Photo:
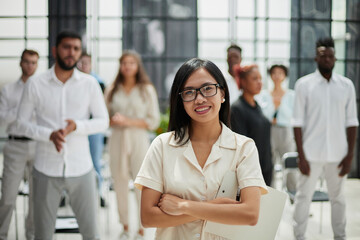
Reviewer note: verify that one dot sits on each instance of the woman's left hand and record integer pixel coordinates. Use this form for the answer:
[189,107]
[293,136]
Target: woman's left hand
[171,204]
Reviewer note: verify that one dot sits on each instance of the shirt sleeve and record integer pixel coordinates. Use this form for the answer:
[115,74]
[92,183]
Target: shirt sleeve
[100,117]
[299,106]
[153,114]
[27,106]
[238,123]
[150,174]
[351,114]
[265,101]
[7,114]
[248,167]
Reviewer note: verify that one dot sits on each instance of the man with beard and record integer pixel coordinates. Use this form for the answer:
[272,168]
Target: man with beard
[63,99]
[233,58]
[325,124]
[19,151]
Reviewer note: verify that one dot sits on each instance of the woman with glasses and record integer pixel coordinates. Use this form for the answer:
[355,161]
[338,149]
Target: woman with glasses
[134,110]
[183,168]
[248,119]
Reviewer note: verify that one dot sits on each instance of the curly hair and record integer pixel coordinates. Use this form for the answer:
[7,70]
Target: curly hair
[325,42]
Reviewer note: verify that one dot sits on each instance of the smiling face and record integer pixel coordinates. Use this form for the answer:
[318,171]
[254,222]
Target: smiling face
[203,109]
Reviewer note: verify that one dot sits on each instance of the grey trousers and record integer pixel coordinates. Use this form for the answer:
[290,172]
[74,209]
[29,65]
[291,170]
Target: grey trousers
[18,161]
[82,194]
[282,141]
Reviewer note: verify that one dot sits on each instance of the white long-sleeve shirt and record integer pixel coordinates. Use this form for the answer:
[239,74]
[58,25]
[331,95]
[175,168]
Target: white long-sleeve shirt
[10,97]
[323,110]
[54,102]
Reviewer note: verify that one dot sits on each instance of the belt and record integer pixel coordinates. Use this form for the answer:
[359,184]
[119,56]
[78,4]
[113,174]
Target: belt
[20,138]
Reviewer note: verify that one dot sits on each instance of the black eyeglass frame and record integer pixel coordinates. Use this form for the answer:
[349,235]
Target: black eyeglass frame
[198,90]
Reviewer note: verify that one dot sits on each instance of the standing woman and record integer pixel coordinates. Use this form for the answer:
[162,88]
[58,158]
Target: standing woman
[248,119]
[277,105]
[134,109]
[183,168]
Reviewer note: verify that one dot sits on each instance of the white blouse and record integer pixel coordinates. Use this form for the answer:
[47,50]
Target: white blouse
[172,168]
[137,104]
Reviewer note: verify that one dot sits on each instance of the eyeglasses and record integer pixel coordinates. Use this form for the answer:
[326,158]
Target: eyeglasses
[206,91]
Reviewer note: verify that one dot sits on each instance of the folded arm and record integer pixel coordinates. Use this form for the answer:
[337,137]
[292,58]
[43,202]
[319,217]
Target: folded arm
[245,212]
[153,216]
[165,210]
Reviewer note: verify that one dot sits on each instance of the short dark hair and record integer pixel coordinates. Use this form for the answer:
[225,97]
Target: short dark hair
[179,120]
[66,34]
[30,52]
[327,42]
[234,46]
[285,69]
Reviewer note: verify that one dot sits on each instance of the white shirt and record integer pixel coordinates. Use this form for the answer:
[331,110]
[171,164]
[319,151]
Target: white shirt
[234,91]
[10,97]
[172,168]
[324,109]
[53,102]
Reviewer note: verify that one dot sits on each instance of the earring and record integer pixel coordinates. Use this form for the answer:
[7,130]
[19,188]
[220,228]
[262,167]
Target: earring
[223,100]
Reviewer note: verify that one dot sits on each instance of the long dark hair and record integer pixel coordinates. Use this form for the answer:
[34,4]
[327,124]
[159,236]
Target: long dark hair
[179,120]
[141,76]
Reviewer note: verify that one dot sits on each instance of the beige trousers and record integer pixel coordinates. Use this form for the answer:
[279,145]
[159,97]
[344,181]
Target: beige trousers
[127,151]
[18,162]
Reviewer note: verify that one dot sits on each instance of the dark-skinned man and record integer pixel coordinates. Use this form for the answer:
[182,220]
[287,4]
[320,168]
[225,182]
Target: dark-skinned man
[325,124]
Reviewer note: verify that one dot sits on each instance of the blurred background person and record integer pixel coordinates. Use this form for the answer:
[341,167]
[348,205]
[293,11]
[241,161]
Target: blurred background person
[62,99]
[248,119]
[19,151]
[277,105]
[325,125]
[134,110]
[233,59]
[96,141]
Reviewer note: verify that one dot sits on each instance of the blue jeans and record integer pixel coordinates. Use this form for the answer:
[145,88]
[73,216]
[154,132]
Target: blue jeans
[96,150]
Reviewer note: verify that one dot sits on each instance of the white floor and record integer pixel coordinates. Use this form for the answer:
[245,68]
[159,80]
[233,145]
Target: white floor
[110,228]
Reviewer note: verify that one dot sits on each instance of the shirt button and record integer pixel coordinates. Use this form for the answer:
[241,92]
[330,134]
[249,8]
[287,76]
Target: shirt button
[197,235]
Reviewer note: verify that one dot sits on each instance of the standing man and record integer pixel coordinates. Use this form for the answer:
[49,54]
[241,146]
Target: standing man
[63,99]
[325,123]
[19,151]
[96,140]
[233,58]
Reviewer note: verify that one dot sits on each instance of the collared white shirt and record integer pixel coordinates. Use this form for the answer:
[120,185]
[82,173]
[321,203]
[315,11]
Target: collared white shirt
[10,97]
[172,168]
[234,91]
[324,109]
[53,102]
